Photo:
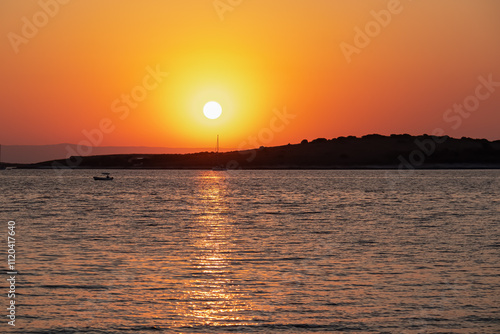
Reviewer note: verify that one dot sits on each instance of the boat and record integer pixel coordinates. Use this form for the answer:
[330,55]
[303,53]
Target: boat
[218,167]
[103,178]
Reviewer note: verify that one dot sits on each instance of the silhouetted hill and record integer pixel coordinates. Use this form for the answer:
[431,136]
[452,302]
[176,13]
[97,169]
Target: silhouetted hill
[371,151]
[28,154]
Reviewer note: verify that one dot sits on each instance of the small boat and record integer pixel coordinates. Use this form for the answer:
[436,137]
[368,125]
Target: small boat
[219,168]
[103,178]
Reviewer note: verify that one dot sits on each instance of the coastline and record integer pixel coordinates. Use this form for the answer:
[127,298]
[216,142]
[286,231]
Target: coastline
[402,152]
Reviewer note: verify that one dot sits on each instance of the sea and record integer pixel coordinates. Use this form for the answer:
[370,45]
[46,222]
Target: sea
[251,251]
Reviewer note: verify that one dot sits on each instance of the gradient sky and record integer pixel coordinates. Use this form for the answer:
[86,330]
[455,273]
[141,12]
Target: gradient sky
[257,58]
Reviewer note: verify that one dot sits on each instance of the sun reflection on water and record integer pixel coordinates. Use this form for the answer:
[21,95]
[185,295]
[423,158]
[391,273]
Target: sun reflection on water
[211,293]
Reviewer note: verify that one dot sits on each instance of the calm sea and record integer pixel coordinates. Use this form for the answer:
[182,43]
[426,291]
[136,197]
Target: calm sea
[253,251]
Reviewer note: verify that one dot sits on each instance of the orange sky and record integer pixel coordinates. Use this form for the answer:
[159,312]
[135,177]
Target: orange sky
[279,69]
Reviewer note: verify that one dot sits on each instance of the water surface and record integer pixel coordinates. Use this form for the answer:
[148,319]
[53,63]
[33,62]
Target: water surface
[255,251]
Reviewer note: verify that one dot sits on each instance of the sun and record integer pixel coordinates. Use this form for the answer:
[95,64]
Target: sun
[212,110]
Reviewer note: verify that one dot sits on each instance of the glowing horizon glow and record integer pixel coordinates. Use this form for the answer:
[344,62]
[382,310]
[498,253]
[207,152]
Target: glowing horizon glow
[212,110]
[258,60]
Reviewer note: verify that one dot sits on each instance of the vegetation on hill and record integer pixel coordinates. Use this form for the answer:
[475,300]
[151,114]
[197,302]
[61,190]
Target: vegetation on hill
[370,151]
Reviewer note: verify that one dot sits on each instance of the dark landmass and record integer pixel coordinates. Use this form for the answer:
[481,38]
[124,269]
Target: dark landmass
[29,154]
[370,151]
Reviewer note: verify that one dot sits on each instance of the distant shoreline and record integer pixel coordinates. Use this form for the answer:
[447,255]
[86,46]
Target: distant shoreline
[450,167]
[375,152]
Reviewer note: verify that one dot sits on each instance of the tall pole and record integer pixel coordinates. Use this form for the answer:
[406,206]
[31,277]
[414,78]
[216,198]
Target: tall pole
[217,143]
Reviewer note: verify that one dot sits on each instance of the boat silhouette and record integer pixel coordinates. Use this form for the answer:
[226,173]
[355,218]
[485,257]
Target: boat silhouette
[103,178]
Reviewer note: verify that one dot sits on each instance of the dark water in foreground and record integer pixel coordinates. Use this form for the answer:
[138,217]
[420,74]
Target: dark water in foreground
[254,251]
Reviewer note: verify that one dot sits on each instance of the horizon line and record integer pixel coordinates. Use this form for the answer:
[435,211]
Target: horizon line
[189,148]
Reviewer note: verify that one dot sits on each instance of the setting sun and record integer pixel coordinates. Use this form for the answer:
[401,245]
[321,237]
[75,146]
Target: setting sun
[212,110]
[337,66]
[250,165]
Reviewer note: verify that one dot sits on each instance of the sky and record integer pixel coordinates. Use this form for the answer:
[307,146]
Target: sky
[138,73]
